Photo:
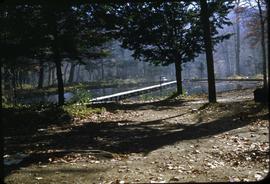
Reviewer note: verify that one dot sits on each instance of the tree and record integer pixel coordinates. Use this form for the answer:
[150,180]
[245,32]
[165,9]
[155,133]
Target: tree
[166,33]
[57,32]
[74,37]
[213,10]
[238,10]
[256,24]
[41,75]
[71,73]
[160,33]
[262,25]
[268,28]
[208,50]
[16,43]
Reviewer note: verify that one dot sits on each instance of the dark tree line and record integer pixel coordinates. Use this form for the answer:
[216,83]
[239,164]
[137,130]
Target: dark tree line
[34,34]
[161,33]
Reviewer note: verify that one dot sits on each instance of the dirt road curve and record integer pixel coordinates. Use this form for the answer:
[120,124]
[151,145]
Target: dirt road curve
[180,140]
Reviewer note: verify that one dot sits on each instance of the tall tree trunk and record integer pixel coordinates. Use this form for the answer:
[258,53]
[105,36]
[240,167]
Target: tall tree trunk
[60,83]
[16,78]
[2,70]
[263,45]
[20,77]
[53,76]
[227,58]
[41,75]
[237,64]
[65,72]
[268,29]
[1,131]
[178,76]
[14,89]
[28,79]
[201,68]
[57,61]
[268,37]
[144,69]
[71,73]
[237,44]
[208,49]
[8,83]
[90,75]
[49,75]
[78,74]
[102,70]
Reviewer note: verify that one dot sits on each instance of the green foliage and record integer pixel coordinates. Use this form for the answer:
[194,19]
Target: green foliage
[166,32]
[149,30]
[50,33]
[4,100]
[40,27]
[81,111]
[6,105]
[80,96]
[28,86]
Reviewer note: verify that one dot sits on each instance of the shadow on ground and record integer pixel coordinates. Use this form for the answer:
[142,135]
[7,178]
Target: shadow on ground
[129,136]
[27,120]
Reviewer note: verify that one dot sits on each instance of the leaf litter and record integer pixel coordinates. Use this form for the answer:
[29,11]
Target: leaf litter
[227,156]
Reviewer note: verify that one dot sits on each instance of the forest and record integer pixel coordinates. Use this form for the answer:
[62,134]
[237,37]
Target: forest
[135,92]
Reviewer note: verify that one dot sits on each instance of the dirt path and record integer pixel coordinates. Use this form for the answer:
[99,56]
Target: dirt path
[181,140]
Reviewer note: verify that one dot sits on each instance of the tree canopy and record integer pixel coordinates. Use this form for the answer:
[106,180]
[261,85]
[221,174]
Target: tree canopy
[166,32]
[51,32]
[158,32]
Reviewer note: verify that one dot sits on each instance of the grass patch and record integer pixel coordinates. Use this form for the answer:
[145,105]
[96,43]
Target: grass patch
[81,111]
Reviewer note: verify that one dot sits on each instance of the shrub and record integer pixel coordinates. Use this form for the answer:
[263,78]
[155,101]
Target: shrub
[80,96]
